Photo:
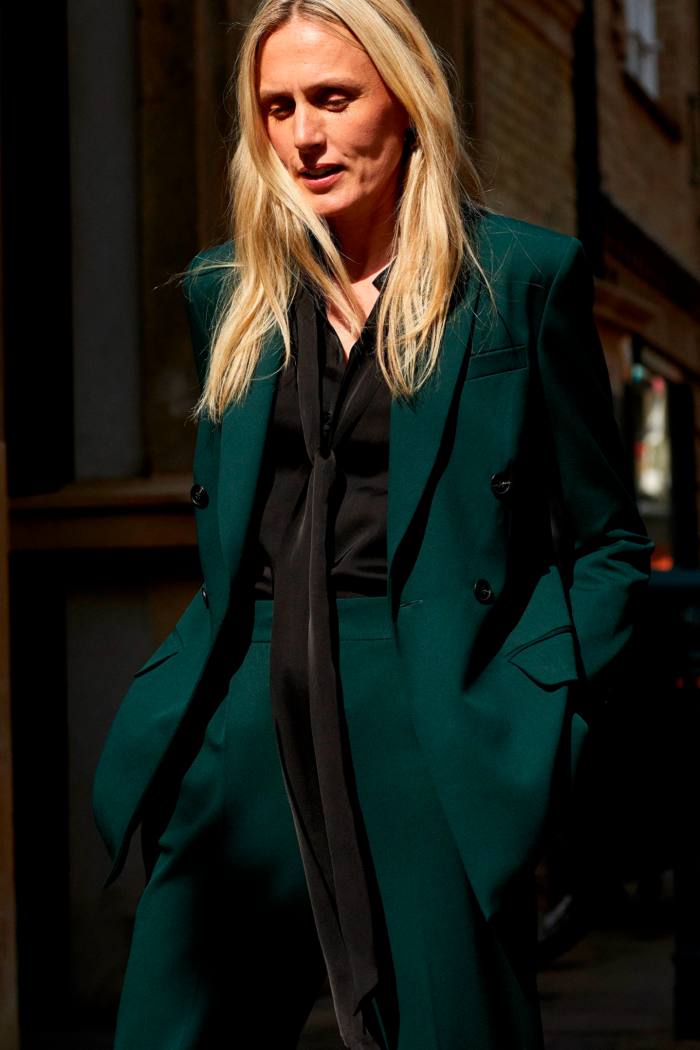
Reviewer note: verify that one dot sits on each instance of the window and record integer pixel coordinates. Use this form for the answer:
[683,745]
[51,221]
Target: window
[641,44]
[662,426]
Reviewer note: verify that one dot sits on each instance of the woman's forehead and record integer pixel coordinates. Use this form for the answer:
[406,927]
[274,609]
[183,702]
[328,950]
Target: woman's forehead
[311,43]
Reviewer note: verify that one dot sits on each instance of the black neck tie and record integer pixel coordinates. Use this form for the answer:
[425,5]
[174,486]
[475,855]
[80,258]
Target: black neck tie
[306,705]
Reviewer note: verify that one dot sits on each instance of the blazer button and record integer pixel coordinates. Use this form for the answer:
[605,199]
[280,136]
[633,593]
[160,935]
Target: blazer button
[205,596]
[500,485]
[199,496]
[483,591]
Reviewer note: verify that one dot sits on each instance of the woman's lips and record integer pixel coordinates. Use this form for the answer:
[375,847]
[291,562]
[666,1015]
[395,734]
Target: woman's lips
[321,181]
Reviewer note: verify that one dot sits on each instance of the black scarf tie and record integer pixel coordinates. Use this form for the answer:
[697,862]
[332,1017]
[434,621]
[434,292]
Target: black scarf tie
[306,707]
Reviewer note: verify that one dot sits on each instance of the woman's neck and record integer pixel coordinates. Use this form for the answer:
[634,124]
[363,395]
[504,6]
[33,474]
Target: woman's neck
[366,243]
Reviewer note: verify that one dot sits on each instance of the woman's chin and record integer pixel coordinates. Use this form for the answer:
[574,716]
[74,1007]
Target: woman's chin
[334,211]
[327,207]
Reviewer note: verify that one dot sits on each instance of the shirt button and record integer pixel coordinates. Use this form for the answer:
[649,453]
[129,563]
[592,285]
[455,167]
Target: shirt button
[483,591]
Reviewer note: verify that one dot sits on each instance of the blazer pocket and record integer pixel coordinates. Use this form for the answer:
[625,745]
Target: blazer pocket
[191,629]
[505,359]
[550,659]
[168,647]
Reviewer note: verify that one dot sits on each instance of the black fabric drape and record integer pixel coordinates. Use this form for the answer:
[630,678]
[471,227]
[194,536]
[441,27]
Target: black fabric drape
[306,696]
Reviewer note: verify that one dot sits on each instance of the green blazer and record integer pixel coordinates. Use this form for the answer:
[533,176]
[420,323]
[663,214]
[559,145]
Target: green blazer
[498,642]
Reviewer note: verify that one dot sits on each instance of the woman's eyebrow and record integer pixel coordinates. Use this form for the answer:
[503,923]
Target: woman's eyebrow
[342,83]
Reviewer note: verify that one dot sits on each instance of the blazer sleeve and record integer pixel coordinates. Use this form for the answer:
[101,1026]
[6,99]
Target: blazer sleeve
[610,549]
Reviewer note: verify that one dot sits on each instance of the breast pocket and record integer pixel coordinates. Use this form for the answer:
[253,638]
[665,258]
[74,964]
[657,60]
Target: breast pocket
[504,359]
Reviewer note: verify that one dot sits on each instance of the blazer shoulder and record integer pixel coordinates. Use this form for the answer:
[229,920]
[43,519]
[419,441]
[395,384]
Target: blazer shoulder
[205,284]
[514,247]
[207,278]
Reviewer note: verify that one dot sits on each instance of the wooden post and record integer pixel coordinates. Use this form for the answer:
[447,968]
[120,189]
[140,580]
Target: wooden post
[9,1030]
[9,1022]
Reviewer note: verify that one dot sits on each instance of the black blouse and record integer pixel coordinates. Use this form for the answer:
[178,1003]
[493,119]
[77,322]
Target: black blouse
[357,553]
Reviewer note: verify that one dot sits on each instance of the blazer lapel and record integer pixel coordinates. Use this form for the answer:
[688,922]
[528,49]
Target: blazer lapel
[243,432]
[417,427]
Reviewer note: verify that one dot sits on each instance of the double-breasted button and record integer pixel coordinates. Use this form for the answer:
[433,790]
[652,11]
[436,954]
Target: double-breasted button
[483,591]
[205,596]
[199,496]
[500,484]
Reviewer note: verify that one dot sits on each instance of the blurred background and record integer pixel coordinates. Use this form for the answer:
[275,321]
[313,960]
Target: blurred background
[584,116]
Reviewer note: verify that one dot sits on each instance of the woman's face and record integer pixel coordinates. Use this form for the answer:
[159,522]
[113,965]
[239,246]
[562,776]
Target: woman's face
[326,109]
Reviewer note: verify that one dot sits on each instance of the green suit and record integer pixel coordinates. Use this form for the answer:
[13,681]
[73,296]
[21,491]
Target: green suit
[495,650]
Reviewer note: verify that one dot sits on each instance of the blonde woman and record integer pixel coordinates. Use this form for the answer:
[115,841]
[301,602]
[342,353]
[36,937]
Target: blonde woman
[344,753]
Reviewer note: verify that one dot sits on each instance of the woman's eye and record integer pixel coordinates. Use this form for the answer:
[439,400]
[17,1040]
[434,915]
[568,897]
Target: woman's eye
[334,102]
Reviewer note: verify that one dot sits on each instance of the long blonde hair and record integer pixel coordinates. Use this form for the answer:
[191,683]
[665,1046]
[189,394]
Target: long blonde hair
[279,240]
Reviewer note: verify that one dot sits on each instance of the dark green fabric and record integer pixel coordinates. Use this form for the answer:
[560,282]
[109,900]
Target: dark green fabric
[495,675]
[224,951]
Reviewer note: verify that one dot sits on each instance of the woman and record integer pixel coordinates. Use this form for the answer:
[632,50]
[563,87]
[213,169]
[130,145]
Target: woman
[345,752]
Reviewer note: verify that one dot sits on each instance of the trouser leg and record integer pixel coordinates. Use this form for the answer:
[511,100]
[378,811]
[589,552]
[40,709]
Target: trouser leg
[457,982]
[224,950]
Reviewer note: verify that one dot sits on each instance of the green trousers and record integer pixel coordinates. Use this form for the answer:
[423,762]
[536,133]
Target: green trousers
[224,951]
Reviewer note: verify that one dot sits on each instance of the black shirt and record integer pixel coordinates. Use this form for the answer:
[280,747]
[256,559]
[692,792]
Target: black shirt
[357,546]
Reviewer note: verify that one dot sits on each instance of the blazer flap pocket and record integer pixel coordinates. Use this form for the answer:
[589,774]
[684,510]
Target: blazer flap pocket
[549,659]
[194,626]
[167,648]
[505,359]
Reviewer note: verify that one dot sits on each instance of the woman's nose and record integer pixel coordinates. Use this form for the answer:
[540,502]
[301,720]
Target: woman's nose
[308,129]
